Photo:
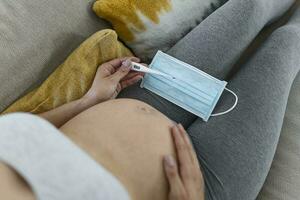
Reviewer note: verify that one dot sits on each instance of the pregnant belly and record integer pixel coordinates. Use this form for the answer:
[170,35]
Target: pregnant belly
[129,138]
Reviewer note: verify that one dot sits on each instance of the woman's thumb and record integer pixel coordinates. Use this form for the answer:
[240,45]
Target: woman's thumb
[122,71]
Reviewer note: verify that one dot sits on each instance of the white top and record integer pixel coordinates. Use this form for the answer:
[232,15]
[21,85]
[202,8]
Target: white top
[53,166]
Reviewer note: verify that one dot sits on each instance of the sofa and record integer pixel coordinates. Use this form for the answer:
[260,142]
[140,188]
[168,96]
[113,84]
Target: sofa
[38,35]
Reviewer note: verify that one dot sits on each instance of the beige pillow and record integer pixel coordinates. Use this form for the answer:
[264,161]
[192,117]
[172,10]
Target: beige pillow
[36,36]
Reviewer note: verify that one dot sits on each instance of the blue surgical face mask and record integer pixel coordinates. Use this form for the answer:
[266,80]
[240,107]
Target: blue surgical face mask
[190,88]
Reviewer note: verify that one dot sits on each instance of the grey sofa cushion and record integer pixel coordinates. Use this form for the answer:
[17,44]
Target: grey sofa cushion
[35,37]
[283,181]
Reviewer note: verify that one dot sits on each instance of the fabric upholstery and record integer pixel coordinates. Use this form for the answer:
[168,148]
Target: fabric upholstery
[36,36]
[72,79]
[147,26]
[283,181]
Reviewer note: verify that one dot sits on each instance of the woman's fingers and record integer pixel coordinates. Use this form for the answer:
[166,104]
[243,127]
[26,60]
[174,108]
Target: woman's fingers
[184,158]
[124,70]
[191,179]
[177,190]
[188,144]
[133,59]
[117,91]
[121,73]
[116,63]
[132,78]
[129,82]
[112,66]
[189,165]
[131,75]
[134,73]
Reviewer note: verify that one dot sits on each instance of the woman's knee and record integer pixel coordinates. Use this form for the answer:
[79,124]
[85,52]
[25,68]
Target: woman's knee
[287,37]
[289,32]
[262,10]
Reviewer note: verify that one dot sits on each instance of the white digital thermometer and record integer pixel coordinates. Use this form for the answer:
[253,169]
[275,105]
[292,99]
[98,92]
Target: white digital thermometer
[141,68]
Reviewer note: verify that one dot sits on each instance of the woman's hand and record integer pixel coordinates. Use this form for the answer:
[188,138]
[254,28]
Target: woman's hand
[111,78]
[185,179]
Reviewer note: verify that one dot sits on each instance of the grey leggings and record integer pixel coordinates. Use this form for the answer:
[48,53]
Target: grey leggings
[236,150]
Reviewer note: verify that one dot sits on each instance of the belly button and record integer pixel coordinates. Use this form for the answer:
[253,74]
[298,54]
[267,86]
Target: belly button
[147,110]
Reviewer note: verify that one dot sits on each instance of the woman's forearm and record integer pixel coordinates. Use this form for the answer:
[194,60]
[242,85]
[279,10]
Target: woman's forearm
[60,115]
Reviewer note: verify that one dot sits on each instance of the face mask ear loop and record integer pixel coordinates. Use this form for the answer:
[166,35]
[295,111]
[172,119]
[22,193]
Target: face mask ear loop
[230,109]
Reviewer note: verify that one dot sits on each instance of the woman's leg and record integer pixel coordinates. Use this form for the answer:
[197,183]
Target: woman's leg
[215,45]
[236,149]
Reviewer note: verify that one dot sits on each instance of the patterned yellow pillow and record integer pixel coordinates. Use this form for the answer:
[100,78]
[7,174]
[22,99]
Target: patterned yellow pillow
[148,25]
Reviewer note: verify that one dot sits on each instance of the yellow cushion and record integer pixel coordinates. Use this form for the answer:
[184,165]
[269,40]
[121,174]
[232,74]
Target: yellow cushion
[72,79]
[149,25]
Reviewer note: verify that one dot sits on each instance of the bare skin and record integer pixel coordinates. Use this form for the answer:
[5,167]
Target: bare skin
[113,133]
[133,142]
[13,186]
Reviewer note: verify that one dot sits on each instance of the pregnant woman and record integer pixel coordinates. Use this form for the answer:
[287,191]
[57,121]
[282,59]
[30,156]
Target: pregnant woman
[135,138]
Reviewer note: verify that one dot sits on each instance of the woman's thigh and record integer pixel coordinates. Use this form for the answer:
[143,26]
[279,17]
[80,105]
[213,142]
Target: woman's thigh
[236,150]
[214,46]
[13,186]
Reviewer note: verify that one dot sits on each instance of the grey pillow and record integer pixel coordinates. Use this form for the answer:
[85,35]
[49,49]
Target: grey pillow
[283,181]
[35,37]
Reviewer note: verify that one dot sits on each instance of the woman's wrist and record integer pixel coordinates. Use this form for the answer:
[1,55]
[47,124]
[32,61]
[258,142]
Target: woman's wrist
[89,101]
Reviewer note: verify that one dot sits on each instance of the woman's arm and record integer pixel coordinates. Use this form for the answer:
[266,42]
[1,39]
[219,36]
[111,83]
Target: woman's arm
[110,79]
[59,116]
